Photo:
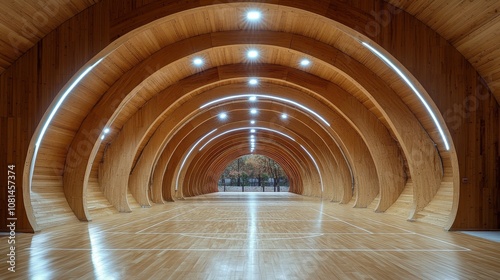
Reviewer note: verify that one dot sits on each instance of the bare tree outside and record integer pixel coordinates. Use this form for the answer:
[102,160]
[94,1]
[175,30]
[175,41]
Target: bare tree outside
[255,172]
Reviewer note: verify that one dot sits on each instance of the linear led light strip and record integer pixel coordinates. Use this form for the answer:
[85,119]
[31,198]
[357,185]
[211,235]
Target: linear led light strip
[410,84]
[61,100]
[53,113]
[189,153]
[246,128]
[267,97]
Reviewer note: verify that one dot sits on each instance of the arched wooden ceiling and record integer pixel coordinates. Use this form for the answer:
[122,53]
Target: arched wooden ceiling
[472,27]
[149,94]
[380,140]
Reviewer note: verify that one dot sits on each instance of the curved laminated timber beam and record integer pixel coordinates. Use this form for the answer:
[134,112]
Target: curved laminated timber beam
[296,165]
[291,165]
[224,91]
[216,163]
[393,178]
[274,133]
[146,91]
[389,178]
[199,124]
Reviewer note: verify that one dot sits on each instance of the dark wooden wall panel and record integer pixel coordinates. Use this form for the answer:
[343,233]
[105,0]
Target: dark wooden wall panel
[30,85]
[19,88]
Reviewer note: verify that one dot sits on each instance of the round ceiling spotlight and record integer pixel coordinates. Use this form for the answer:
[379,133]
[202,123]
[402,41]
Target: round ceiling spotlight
[254,15]
[284,116]
[222,116]
[253,54]
[253,111]
[305,62]
[253,82]
[198,61]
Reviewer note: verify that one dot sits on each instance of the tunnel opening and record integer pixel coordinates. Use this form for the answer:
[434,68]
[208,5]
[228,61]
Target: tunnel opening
[253,173]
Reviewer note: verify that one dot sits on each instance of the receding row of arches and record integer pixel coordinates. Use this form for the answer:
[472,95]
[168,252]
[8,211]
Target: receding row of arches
[355,133]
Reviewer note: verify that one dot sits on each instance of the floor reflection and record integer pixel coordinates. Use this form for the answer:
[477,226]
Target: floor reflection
[252,236]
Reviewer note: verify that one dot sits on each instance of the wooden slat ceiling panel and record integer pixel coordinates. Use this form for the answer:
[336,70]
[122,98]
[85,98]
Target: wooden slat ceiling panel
[144,44]
[472,27]
[454,20]
[24,22]
[151,40]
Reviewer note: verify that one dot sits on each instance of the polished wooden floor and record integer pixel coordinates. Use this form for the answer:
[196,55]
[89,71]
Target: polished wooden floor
[252,236]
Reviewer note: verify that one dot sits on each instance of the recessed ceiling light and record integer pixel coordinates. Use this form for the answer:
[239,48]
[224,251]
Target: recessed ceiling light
[253,111]
[252,98]
[305,62]
[198,61]
[284,116]
[253,54]
[106,130]
[222,116]
[253,82]
[252,130]
[102,137]
[252,122]
[254,15]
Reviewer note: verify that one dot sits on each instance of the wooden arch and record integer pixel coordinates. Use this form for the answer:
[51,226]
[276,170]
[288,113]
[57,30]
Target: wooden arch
[76,176]
[217,159]
[218,162]
[138,75]
[286,147]
[405,123]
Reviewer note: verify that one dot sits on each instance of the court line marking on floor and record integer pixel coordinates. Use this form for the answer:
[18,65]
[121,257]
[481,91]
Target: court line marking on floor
[148,217]
[328,215]
[393,226]
[257,220]
[423,235]
[321,212]
[146,228]
[308,235]
[264,233]
[396,227]
[257,239]
[259,250]
[445,242]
